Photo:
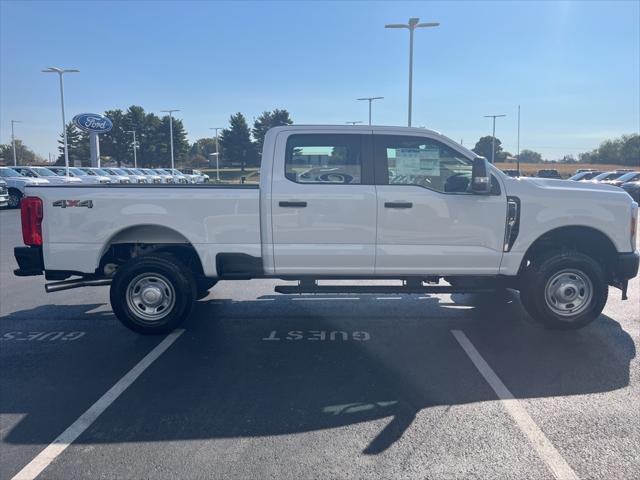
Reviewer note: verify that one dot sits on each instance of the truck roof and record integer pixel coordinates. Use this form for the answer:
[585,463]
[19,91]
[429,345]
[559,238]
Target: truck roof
[358,127]
[373,128]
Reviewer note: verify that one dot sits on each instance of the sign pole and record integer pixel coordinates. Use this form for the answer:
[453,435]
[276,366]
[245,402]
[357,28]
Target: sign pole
[94,147]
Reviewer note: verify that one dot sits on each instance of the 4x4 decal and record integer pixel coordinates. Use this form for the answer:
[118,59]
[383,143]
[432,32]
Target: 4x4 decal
[73,203]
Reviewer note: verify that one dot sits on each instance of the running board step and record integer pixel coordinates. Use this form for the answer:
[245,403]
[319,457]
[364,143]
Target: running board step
[377,289]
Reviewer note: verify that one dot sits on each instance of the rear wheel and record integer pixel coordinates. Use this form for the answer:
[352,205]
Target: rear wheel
[153,294]
[14,198]
[564,290]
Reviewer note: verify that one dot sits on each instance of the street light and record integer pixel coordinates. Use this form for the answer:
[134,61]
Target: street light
[61,72]
[370,99]
[217,152]
[170,112]
[13,142]
[493,137]
[354,123]
[217,155]
[411,26]
[135,146]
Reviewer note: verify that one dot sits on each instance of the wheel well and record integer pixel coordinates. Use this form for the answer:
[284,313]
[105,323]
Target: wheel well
[586,240]
[140,240]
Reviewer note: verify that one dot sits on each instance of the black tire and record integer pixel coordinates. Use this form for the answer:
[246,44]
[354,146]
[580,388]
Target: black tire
[546,280]
[203,287]
[160,275]
[14,198]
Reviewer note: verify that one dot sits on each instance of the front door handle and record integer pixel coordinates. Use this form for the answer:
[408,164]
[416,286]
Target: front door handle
[293,204]
[398,205]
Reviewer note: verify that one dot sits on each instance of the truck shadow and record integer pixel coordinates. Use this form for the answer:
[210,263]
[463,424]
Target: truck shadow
[263,368]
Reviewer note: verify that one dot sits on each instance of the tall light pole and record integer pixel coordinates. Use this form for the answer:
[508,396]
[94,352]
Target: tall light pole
[518,157]
[61,72]
[411,26]
[217,153]
[170,112]
[353,123]
[135,146]
[493,136]
[13,142]
[370,99]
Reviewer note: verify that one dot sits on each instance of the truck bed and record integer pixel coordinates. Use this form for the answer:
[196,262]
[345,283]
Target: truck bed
[79,221]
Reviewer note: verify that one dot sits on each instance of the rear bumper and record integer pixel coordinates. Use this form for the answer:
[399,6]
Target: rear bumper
[628,265]
[29,260]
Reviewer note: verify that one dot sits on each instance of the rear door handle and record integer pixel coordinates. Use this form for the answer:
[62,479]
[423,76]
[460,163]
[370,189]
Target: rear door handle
[293,204]
[398,205]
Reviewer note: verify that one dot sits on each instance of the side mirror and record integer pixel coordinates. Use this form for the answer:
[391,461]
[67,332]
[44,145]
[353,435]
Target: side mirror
[481,176]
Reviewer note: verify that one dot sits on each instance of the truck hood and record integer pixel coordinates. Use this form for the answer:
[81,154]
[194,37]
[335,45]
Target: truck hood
[569,184]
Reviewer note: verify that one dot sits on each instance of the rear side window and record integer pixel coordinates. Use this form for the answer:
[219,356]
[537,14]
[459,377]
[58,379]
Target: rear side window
[324,159]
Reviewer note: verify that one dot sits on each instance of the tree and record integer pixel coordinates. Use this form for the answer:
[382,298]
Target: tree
[236,143]
[529,156]
[483,147]
[24,155]
[267,120]
[622,151]
[117,143]
[77,147]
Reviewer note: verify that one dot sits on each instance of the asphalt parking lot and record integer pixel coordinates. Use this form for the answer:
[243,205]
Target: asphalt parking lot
[260,385]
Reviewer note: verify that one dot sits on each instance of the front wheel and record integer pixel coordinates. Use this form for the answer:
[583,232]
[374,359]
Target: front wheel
[14,198]
[152,294]
[564,290]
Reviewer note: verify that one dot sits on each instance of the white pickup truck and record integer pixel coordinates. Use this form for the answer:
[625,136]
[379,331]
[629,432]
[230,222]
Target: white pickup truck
[339,202]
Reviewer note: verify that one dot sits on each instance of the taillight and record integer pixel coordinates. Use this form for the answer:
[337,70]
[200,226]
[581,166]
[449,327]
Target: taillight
[31,213]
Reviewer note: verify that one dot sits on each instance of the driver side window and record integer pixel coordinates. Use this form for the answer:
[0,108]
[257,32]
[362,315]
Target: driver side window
[423,162]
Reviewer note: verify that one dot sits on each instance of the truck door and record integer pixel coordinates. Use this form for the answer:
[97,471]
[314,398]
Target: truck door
[429,222]
[323,203]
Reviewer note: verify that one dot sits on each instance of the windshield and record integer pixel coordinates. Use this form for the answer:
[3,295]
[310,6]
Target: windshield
[119,171]
[608,176]
[44,172]
[629,177]
[78,172]
[8,172]
[99,171]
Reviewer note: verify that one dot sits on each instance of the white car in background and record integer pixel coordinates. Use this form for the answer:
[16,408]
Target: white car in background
[42,172]
[150,177]
[178,177]
[202,177]
[101,175]
[166,177]
[117,175]
[4,194]
[82,175]
[16,183]
[135,176]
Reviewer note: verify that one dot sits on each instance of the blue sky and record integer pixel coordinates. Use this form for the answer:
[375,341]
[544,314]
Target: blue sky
[574,67]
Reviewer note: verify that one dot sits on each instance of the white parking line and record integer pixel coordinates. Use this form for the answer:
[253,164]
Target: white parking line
[326,298]
[66,438]
[542,445]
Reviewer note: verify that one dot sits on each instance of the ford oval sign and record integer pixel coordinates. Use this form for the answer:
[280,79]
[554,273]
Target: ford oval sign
[92,122]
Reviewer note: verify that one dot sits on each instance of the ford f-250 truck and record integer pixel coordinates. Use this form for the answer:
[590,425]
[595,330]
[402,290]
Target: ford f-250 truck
[339,202]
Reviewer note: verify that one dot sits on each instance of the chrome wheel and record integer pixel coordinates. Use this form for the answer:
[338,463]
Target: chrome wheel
[150,297]
[568,292]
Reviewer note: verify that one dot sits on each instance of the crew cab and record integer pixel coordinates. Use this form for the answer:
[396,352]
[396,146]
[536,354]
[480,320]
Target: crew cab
[339,202]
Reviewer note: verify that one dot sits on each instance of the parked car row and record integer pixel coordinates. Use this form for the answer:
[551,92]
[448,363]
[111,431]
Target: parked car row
[15,179]
[627,179]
